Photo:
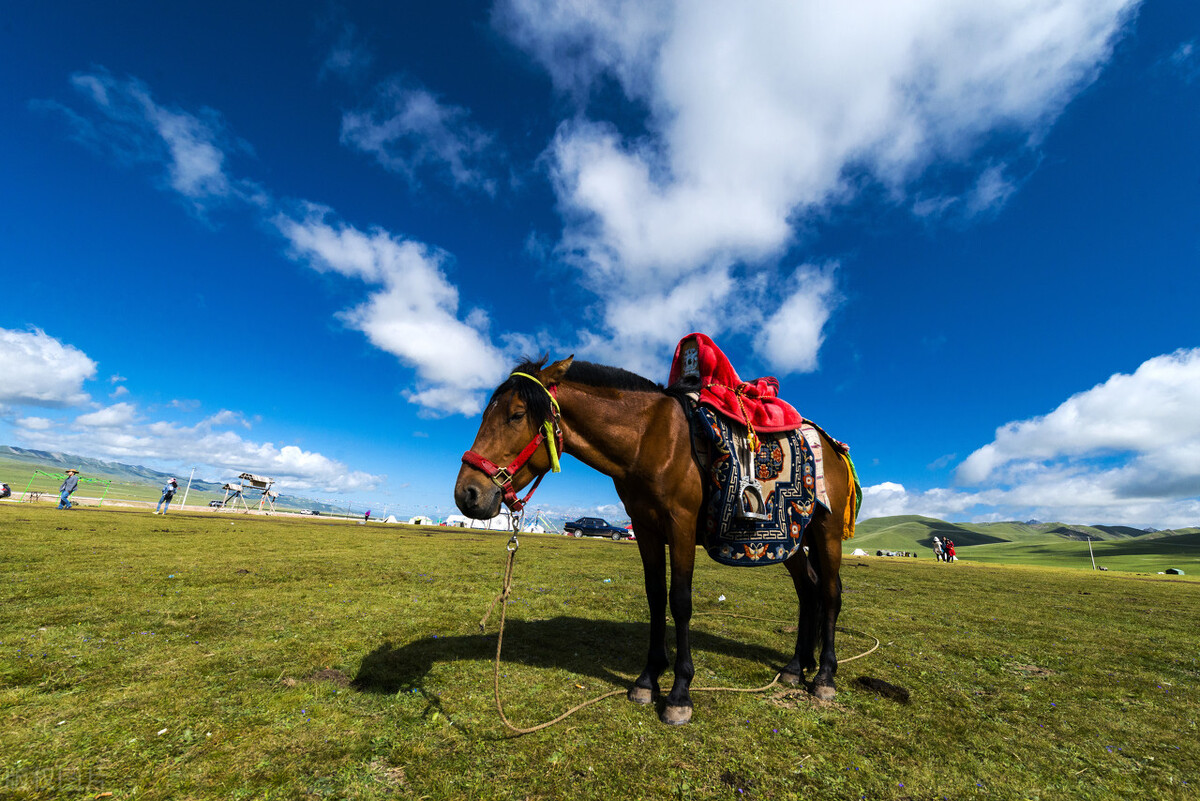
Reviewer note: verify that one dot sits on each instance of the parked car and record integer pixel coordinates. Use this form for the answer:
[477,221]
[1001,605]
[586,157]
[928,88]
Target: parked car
[309,512]
[595,527]
[217,503]
[5,491]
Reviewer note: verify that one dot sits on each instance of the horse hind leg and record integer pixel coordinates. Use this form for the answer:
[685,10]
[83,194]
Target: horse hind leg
[826,552]
[831,604]
[808,600]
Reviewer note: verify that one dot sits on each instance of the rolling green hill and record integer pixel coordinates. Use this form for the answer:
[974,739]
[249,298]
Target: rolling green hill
[1050,544]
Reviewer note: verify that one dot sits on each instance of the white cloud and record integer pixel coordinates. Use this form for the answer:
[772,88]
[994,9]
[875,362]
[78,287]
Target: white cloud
[1184,61]
[1126,451]
[226,417]
[889,498]
[118,415]
[349,57]
[791,337]
[1078,499]
[408,129]
[119,433]
[1149,415]
[190,148]
[757,112]
[414,315]
[40,370]
[35,423]
[991,191]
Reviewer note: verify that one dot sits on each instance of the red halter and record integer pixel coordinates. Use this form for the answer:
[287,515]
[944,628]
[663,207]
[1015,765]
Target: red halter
[502,477]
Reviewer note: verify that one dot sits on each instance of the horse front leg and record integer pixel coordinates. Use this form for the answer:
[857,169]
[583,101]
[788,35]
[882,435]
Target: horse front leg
[679,703]
[654,568]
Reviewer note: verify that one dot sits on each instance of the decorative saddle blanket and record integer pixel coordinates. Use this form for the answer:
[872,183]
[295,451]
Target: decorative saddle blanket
[755,519]
[762,462]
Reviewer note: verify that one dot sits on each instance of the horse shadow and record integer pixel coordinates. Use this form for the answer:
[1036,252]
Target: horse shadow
[609,651]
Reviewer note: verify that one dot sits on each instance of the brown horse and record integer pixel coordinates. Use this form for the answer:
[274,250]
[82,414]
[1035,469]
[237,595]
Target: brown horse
[635,432]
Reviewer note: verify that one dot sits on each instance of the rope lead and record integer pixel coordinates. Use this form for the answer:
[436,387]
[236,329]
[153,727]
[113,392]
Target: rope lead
[503,596]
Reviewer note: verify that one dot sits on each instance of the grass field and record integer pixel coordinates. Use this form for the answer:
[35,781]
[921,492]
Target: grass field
[196,656]
[20,474]
[1017,543]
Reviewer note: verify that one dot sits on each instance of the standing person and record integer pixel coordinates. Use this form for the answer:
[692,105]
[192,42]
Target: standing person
[168,492]
[951,556]
[367,516]
[937,549]
[68,486]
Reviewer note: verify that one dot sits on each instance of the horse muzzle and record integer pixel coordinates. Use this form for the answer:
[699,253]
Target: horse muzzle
[475,495]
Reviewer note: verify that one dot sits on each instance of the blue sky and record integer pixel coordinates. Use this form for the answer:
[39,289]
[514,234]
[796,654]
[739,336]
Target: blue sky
[308,244]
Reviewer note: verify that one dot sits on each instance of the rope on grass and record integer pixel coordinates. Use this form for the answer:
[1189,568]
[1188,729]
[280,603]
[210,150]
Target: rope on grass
[502,598]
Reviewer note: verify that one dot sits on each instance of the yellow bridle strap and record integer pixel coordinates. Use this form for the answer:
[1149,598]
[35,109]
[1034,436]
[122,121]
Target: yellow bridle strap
[548,427]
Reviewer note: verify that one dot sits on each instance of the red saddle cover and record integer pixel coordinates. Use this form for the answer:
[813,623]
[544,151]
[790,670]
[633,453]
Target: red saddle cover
[720,387]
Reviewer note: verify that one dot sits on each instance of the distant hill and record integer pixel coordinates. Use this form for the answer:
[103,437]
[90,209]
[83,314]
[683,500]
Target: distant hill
[18,464]
[905,532]
[897,531]
[1060,544]
[40,460]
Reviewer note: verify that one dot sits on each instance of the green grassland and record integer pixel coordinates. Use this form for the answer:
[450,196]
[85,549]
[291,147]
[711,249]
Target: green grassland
[19,474]
[1046,544]
[199,657]
[127,483]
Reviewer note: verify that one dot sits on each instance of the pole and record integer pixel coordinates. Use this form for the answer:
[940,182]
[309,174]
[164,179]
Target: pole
[183,503]
[1091,554]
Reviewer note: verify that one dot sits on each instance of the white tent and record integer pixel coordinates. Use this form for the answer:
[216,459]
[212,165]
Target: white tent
[501,522]
[859,552]
[390,519]
[420,520]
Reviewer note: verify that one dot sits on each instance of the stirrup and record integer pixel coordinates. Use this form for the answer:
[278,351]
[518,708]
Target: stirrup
[751,504]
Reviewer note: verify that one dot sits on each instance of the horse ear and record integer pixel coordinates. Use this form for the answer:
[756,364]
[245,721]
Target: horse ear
[555,372]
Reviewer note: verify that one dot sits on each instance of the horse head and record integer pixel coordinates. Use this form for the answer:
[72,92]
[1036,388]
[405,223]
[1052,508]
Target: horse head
[518,442]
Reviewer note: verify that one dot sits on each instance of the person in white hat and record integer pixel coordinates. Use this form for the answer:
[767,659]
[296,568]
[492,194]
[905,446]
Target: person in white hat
[68,486]
[168,492]
[938,552]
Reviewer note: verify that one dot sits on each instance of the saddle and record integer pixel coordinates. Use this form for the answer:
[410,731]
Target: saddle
[762,462]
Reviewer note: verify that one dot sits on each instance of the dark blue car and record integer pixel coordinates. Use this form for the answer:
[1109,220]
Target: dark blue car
[595,527]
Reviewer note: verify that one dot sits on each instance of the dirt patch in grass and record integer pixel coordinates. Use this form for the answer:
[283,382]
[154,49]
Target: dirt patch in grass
[1033,670]
[332,676]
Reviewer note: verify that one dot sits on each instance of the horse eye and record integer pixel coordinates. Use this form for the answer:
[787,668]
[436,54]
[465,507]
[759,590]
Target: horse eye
[516,416]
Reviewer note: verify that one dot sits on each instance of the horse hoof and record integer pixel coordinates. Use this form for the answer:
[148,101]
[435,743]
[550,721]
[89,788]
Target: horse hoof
[790,678]
[823,692]
[676,715]
[641,695]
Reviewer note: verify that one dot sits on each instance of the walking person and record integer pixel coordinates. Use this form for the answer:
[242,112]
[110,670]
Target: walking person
[168,492]
[951,556]
[68,486]
[938,553]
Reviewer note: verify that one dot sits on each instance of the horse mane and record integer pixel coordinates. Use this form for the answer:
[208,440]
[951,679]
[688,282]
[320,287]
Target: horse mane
[537,401]
[599,375]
